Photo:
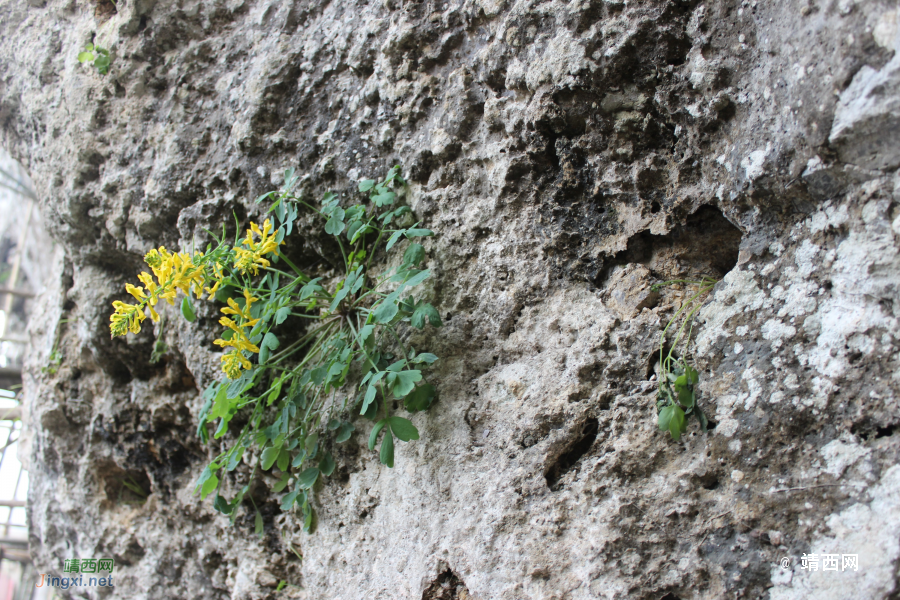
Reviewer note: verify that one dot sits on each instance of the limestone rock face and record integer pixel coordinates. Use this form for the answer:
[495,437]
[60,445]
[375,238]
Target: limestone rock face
[569,155]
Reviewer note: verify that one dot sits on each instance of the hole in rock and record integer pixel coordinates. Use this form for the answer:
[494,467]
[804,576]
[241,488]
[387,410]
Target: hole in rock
[105,8]
[569,458]
[710,483]
[447,586]
[125,487]
[706,244]
[888,431]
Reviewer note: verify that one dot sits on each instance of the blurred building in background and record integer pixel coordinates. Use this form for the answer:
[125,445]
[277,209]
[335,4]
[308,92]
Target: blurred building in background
[24,269]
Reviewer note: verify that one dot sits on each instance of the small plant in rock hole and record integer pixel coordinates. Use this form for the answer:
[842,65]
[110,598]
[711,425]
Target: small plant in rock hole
[97,56]
[351,357]
[677,394]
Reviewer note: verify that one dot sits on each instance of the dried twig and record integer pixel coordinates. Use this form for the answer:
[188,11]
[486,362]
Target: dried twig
[810,487]
[710,520]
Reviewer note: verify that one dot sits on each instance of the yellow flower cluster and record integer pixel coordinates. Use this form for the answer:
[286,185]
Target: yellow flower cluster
[173,272]
[179,272]
[234,361]
[250,258]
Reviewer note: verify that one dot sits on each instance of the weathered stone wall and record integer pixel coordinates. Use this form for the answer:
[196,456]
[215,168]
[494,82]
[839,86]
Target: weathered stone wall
[568,155]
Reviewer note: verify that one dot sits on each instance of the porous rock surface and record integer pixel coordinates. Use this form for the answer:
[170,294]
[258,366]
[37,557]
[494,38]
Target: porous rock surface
[569,155]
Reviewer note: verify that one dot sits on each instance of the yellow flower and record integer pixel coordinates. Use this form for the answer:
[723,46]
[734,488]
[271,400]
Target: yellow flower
[137,292]
[173,272]
[218,276]
[127,317]
[234,361]
[250,258]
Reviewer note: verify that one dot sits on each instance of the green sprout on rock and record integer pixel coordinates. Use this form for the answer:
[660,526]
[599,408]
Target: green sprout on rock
[97,56]
[677,395]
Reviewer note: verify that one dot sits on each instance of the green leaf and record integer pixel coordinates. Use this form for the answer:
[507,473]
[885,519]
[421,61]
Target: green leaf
[344,432]
[284,459]
[387,449]
[393,239]
[270,341]
[425,312]
[84,57]
[221,505]
[691,375]
[386,310]
[371,392]
[298,460]
[414,254]
[326,464]
[342,293]
[685,397]
[420,398]
[425,357]
[665,416]
[403,428]
[404,382]
[366,184]
[676,424]
[102,63]
[312,443]
[308,477]
[208,486]
[417,278]
[334,226]
[281,314]
[419,233]
[222,404]
[258,525]
[235,459]
[187,309]
[365,332]
[263,197]
[89,47]
[372,412]
[276,391]
[268,458]
[310,288]
[289,179]
[288,501]
[282,483]
[384,198]
[373,437]
[352,229]
[704,422]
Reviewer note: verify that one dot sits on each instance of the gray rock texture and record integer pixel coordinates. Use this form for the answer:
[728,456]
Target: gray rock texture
[569,155]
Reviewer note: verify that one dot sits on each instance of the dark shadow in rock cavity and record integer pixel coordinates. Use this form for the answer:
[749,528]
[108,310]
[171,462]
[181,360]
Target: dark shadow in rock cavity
[568,459]
[446,586]
[707,244]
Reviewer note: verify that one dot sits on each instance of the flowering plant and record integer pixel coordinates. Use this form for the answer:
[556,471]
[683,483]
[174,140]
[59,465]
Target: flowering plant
[351,355]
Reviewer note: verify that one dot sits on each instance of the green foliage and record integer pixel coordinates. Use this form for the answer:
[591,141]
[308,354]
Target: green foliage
[349,356]
[97,56]
[677,396]
[159,346]
[56,357]
[139,495]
